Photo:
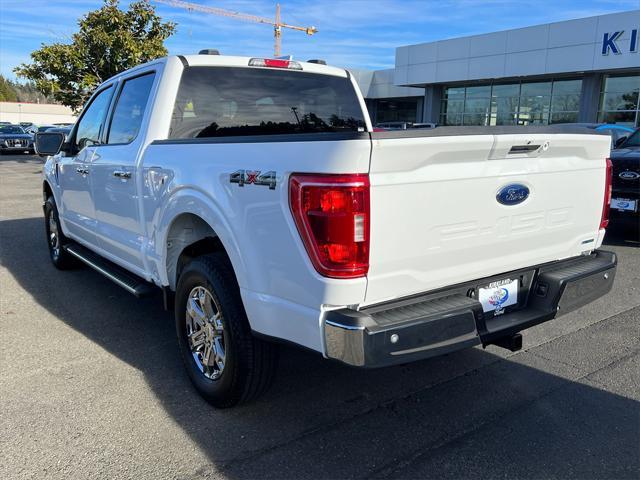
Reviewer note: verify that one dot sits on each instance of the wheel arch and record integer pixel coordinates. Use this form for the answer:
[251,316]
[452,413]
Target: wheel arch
[191,226]
[47,191]
[189,236]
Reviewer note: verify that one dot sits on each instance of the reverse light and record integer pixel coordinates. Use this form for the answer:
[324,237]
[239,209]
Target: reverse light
[331,213]
[604,221]
[274,63]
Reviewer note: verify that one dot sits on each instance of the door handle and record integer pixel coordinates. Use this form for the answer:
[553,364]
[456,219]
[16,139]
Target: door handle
[82,171]
[122,174]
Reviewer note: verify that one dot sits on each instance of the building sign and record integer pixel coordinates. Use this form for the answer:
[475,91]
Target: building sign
[610,42]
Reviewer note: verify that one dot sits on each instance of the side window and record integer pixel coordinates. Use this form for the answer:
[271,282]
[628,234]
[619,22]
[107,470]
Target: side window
[129,111]
[89,126]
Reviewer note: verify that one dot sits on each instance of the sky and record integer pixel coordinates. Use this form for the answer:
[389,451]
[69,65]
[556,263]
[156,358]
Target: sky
[352,33]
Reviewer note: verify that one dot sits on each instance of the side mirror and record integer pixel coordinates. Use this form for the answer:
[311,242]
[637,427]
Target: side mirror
[48,143]
[619,142]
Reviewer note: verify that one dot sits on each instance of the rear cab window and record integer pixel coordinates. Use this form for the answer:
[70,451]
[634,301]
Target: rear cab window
[236,101]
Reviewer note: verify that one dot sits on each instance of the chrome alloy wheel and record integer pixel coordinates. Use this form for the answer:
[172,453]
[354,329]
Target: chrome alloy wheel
[205,332]
[54,236]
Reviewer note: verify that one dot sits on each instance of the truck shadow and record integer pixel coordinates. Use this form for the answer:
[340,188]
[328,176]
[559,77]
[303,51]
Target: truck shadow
[325,420]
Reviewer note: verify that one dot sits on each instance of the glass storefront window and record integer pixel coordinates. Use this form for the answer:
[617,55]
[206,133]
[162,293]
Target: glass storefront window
[564,117]
[477,105]
[502,118]
[404,110]
[507,104]
[504,104]
[565,103]
[535,89]
[455,92]
[534,110]
[622,84]
[455,106]
[535,103]
[478,92]
[523,103]
[620,100]
[474,119]
[625,118]
[509,90]
[452,119]
[564,87]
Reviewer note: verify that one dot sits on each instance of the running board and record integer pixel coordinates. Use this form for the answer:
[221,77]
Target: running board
[118,275]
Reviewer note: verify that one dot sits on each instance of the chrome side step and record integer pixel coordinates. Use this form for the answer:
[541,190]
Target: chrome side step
[118,275]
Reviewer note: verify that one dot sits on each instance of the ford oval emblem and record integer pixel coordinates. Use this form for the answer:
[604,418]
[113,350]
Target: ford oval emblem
[629,175]
[512,194]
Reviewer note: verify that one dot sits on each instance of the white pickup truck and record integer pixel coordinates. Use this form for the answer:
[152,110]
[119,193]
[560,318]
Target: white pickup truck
[257,195]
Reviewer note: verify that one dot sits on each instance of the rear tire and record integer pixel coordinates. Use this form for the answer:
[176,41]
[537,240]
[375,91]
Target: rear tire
[56,240]
[225,362]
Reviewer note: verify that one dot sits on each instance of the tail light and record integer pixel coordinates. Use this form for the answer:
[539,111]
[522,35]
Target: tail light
[331,213]
[604,221]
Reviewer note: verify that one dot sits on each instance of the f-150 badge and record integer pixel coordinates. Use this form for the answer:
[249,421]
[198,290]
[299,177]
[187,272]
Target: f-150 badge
[255,177]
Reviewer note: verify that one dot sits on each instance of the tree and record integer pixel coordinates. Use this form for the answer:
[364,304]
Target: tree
[22,92]
[7,93]
[109,41]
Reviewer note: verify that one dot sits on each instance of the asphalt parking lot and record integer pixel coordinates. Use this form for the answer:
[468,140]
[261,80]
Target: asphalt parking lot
[92,386]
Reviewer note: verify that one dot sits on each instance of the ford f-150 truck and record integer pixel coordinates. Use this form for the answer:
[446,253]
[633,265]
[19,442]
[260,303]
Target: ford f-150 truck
[257,195]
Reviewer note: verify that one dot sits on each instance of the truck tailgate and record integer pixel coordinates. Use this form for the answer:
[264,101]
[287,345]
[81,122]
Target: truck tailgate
[436,220]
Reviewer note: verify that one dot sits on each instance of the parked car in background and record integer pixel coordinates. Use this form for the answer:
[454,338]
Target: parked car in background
[625,196]
[30,129]
[615,131]
[618,132]
[14,139]
[44,128]
[65,130]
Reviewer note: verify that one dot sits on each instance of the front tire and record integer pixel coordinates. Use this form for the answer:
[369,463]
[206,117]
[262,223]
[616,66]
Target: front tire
[225,362]
[56,240]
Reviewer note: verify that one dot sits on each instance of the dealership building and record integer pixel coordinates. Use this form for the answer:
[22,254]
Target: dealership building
[584,70]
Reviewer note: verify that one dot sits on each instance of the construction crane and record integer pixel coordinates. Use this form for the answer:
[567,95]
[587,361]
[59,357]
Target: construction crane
[277,23]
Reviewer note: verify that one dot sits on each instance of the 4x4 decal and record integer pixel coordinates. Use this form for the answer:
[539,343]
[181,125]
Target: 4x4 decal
[242,177]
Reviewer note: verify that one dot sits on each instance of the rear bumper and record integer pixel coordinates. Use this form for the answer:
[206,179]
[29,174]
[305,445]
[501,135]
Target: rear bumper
[451,319]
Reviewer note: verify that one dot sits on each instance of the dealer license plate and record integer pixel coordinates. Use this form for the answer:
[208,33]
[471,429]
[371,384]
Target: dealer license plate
[497,296]
[623,204]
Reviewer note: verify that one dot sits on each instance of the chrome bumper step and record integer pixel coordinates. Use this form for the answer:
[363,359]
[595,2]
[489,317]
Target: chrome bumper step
[447,320]
[118,275]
